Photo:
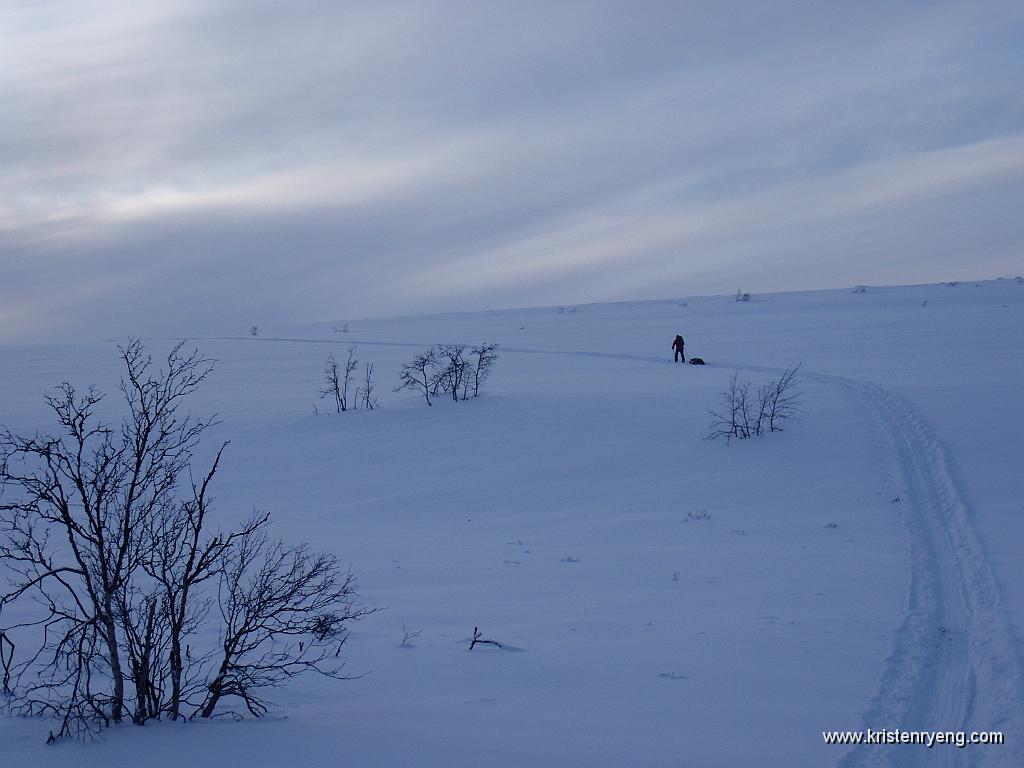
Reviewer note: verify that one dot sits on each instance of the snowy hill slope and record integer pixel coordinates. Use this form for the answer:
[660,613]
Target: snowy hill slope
[860,569]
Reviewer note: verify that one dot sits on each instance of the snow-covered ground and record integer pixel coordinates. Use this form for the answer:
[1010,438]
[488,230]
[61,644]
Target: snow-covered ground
[861,569]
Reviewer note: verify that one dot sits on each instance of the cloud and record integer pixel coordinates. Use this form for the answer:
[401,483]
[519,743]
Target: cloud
[180,167]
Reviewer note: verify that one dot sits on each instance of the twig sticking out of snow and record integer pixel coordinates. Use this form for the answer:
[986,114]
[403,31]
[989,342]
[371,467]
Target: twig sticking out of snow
[408,635]
[478,640]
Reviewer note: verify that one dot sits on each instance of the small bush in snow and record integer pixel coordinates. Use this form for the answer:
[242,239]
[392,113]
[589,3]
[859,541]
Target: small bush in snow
[483,359]
[338,378]
[408,635]
[779,400]
[747,413]
[448,369]
[366,389]
[452,376]
[418,374]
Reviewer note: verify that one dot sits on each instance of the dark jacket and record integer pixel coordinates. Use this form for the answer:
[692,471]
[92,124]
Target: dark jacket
[678,343]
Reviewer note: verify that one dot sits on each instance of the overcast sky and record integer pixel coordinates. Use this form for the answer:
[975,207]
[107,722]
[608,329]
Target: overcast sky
[174,167]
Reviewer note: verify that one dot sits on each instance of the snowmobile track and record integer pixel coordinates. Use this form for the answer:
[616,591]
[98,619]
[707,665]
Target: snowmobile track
[953,666]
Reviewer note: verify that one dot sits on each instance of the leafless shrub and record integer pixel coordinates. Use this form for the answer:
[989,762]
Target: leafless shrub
[113,562]
[338,378]
[780,399]
[408,635]
[366,389]
[452,376]
[739,417]
[284,611]
[486,356]
[332,382]
[98,489]
[448,369]
[184,556]
[746,414]
[419,374]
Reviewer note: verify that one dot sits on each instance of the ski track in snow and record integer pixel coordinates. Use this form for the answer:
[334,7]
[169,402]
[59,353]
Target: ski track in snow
[954,665]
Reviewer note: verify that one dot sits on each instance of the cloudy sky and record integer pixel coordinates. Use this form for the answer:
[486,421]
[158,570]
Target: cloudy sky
[173,167]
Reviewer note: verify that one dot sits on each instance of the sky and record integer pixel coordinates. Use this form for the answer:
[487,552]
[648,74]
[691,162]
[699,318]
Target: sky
[189,167]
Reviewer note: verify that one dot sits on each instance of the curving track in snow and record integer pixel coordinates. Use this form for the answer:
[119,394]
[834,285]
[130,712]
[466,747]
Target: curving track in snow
[954,664]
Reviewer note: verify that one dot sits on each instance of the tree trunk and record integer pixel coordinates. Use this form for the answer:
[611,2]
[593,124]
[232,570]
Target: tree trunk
[176,668]
[117,699]
[216,690]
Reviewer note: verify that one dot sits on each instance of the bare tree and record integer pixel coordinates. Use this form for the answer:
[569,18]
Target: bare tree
[115,565]
[351,363]
[452,378]
[419,374]
[486,356]
[447,368]
[338,378]
[734,420]
[366,390]
[254,330]
[332,382]
[97,489]
[184,555]
[781,399]
[746,415]
[284,611]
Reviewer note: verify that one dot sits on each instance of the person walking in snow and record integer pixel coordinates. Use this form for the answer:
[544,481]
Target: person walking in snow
[677,347]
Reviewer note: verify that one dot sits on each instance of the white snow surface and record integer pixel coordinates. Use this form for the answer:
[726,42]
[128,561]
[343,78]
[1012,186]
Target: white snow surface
[862,569]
